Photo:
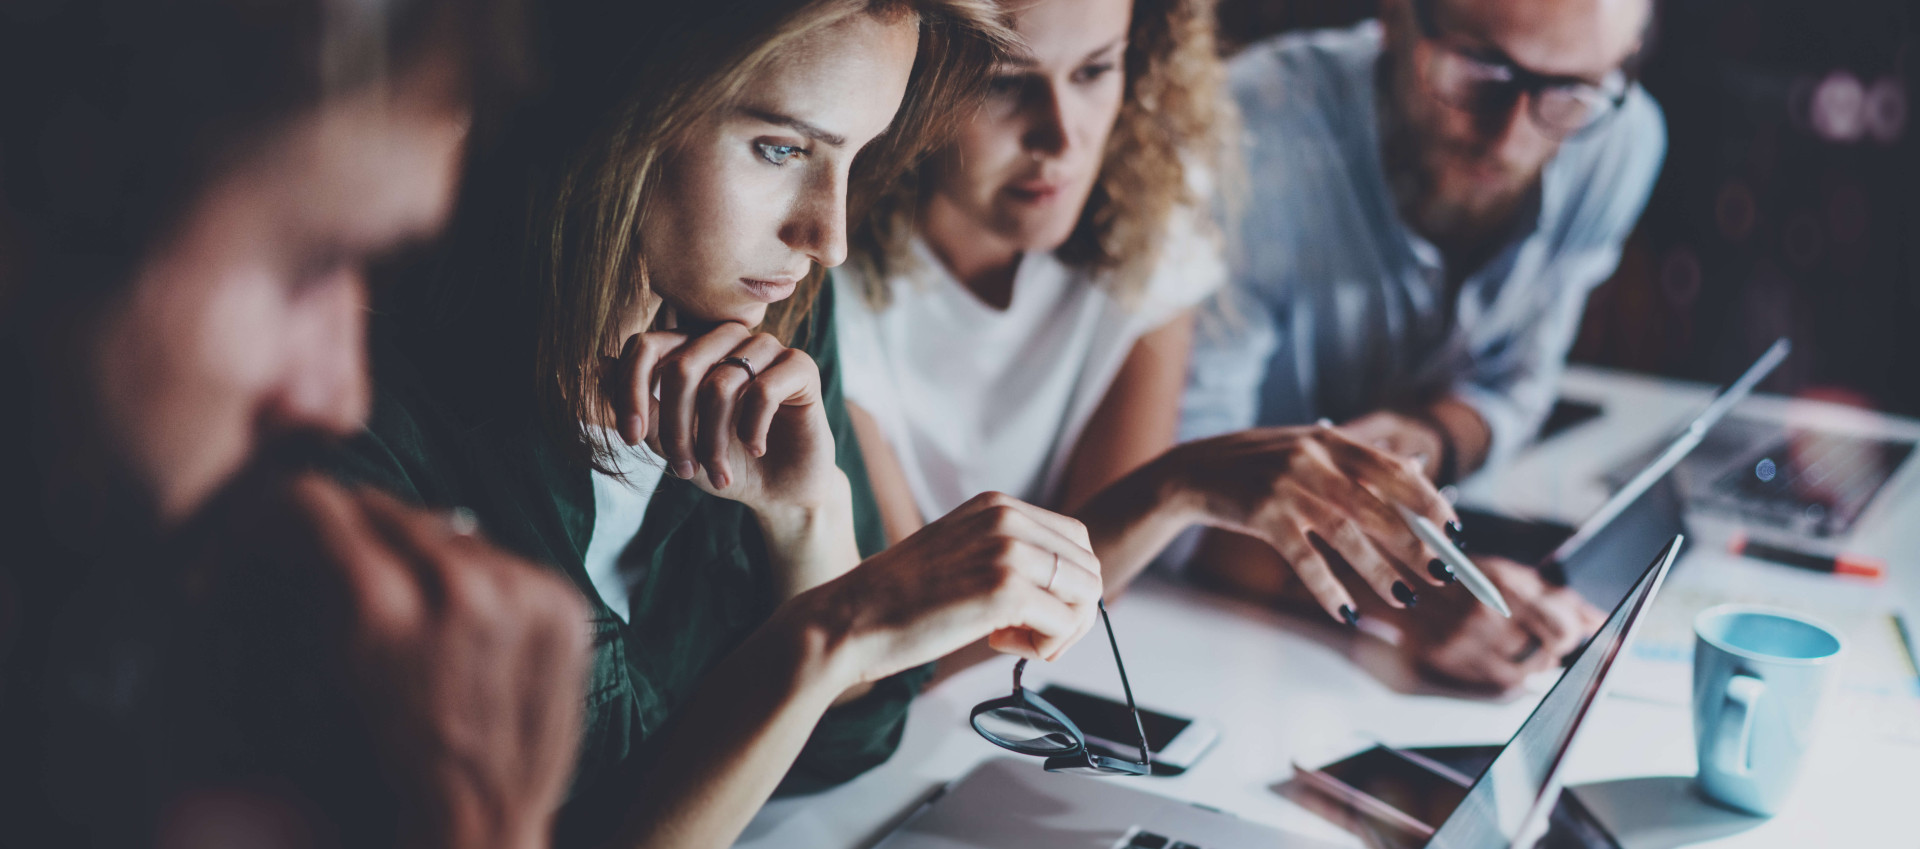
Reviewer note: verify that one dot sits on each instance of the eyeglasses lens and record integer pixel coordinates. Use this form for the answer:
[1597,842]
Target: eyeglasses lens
[1481,87]
[1025,730]
[1566,110]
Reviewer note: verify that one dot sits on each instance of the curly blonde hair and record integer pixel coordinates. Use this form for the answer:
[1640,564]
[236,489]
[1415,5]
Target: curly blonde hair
[1176,127]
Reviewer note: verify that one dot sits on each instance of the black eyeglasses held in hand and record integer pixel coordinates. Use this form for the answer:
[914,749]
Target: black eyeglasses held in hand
[1030,725]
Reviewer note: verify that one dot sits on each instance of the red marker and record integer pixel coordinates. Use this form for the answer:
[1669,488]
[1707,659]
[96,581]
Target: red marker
[1856,565]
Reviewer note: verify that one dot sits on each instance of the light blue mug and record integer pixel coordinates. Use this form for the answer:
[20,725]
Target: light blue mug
[1759,676]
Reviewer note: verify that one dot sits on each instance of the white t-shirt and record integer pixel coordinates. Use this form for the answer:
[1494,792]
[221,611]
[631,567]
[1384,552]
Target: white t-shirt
[619,505]
[973,398]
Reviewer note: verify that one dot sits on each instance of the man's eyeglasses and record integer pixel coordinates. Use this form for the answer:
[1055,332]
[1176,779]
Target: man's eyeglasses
[1028,724]
[1559,106]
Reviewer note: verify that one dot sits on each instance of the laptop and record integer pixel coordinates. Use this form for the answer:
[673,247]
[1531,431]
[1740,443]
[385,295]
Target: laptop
[1802,483]
[1010,803]
[1800,486]
[1648,508]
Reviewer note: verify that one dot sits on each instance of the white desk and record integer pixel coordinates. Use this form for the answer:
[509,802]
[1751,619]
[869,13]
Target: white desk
[1284,689]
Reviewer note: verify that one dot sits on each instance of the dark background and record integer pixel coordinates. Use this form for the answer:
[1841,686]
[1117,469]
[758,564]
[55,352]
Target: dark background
[1786,205]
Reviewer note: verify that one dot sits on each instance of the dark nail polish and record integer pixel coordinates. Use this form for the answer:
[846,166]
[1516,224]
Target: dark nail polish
[1573,656]
[1405,594]
[1457,535]
[1348,613]
[1440,570]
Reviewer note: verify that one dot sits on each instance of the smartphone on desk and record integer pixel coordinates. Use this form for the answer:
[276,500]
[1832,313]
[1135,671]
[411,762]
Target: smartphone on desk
[1400,788]
[1177,742]
[1411,792]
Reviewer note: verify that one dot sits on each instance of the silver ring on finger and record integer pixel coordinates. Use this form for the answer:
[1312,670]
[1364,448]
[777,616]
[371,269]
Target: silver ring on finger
[462,522]
[742,362]
[1056,572]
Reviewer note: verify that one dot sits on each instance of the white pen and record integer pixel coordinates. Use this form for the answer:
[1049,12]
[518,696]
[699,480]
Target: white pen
[1470,575]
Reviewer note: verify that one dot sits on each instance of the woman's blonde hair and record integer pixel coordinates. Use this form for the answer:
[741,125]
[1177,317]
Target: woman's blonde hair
[566,184]
[1175,118]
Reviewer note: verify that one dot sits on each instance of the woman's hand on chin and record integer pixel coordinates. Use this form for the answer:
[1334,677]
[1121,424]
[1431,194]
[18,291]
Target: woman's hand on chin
[738,413]
[1022,577]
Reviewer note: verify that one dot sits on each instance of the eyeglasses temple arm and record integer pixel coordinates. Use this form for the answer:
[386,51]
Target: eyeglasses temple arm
[1146,755]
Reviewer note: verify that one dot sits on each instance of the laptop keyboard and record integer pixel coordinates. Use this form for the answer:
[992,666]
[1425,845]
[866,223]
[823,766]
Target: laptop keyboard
[1809,482]
[1141,838]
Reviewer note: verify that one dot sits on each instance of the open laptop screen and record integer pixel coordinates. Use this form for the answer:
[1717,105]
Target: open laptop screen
[1597,571]
[1509,796]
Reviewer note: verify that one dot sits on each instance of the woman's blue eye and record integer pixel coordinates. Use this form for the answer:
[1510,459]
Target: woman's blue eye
[778,154]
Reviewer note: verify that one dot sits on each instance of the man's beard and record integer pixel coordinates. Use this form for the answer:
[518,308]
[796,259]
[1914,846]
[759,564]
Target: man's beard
[1454,220]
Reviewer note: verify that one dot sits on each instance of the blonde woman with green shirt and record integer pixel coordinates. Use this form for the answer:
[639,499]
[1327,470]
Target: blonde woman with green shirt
[621,365]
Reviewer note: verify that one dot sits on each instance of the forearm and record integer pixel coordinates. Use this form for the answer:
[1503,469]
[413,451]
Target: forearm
[1462,429]
[735,741]
[1133,519]
[811,544]
[476,821]
[898,512]
[1137,420]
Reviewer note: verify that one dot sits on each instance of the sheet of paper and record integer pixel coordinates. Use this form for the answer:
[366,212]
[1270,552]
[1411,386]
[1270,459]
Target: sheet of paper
[1877,684]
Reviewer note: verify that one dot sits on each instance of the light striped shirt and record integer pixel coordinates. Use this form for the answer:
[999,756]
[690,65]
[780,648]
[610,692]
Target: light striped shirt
[1339,309]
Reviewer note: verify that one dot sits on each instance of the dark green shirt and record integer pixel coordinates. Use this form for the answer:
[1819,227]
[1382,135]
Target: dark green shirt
[700,576]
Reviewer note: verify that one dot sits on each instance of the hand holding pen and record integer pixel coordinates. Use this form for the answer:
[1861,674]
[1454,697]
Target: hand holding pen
[1456,561]
[1318,498]
[1465,641]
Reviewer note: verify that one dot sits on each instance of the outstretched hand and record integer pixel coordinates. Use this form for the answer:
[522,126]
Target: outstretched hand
[1305,489]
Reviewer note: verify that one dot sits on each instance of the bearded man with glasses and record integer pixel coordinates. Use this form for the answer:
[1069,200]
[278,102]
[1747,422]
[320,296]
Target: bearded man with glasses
[1430,197]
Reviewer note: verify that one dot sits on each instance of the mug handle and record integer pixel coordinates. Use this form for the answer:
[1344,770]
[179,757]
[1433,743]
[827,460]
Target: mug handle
[1735,732]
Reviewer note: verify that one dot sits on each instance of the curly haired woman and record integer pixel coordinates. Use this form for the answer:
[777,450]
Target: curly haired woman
[1022,306]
